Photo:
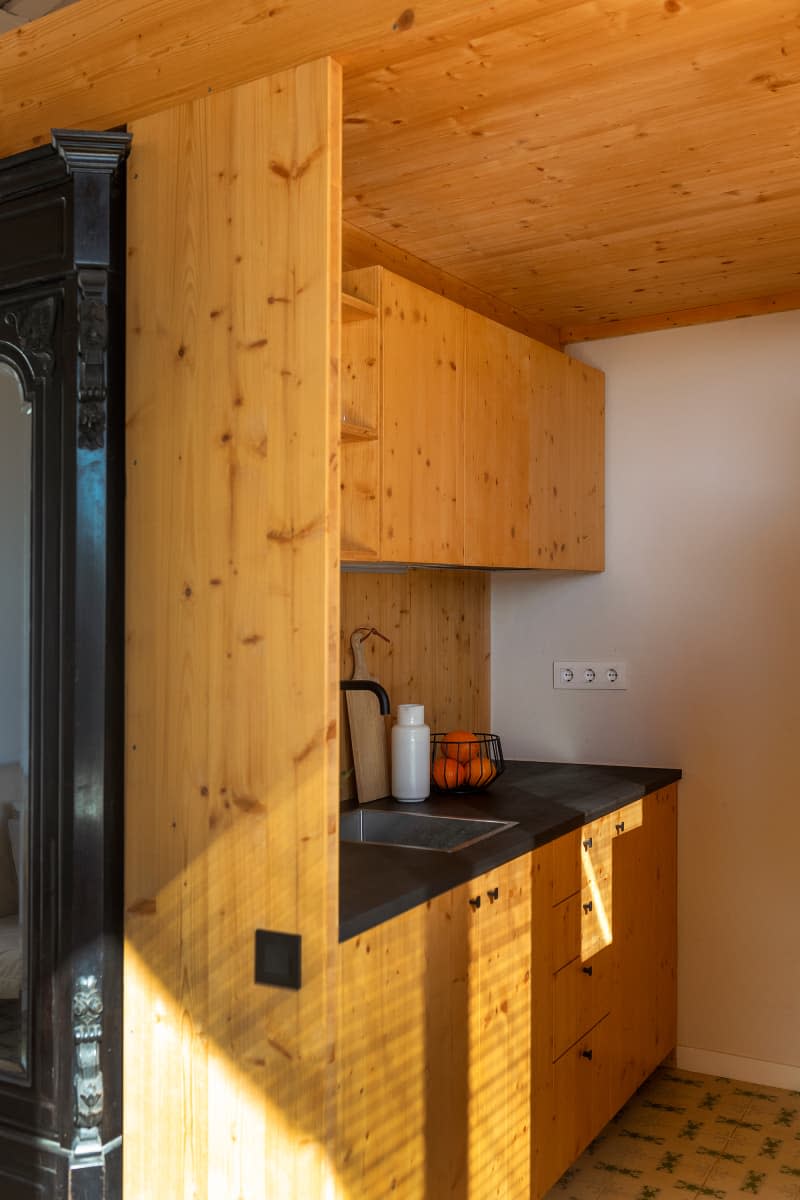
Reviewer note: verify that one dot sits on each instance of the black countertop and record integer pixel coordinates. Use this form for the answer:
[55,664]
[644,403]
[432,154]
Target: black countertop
[546,799]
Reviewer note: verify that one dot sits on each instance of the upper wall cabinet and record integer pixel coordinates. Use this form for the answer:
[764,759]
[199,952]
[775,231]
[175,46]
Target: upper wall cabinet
[463,442]
[533,484]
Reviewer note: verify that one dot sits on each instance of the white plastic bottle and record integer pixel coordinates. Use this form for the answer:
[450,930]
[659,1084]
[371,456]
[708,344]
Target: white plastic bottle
[411,754]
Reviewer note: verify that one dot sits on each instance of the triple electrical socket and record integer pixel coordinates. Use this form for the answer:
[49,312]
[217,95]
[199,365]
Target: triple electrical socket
[591,676]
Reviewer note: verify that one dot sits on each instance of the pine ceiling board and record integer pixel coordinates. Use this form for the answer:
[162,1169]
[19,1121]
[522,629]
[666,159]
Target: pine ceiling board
[681,265]
[528,86]
[757,306]
[609,287]
[548,163]
[137,58]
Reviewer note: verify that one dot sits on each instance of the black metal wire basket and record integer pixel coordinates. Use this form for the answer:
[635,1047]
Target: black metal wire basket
[465,762]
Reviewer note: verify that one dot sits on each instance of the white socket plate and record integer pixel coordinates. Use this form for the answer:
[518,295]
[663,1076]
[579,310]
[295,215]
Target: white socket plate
[593,675]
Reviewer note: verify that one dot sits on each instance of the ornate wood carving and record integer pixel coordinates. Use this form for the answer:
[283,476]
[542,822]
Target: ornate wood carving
[29,325]
[61,302]
[92,366]
[87,1013]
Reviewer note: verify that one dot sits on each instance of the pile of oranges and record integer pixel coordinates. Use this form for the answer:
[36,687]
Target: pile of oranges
[463,762]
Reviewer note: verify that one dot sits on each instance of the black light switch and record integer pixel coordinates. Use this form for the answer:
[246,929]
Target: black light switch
[278,958]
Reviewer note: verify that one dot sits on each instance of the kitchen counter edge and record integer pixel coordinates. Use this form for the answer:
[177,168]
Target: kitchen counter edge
[547,800]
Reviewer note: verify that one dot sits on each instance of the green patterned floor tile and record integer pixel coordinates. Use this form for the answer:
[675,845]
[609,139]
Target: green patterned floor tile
[686,1135]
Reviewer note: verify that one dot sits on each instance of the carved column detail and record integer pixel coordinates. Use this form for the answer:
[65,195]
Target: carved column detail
[92,362]
[87,1013]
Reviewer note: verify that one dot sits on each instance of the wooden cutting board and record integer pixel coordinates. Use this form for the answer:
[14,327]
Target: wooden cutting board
[367,730]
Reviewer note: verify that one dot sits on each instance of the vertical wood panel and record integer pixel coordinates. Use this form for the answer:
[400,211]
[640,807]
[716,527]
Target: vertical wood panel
[644,1027]
[438,623]
[232,611]
[534,424]
[402,1055]
[568,514]
[434,1052]
[498,448]
[422,433]
[500,1034]
[361,405]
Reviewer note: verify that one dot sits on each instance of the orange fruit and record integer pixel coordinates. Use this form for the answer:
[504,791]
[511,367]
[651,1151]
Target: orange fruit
[447,773]
[460,745]
[479,769]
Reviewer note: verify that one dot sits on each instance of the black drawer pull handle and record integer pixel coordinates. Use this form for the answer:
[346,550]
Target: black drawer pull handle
[586,1054]
[475,901]
[587,908]
[493,894]
[587,845]
[621,827]
[586,970]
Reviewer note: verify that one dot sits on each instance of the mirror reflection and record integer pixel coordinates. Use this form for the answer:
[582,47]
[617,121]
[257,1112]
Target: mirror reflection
[15,623]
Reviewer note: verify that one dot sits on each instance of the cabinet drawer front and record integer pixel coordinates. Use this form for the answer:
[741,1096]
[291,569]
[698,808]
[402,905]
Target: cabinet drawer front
[581,1093]
[628,818]
[566,929]
[597,928]
[582,926]
[566,866]
[580,999]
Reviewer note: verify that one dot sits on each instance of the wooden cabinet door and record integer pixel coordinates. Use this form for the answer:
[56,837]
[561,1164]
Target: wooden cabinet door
[499,1034]
[534,438]
[580,1096]
[498,433]
[422,431]
[433,1078]
[402,1055]
[643,1026]
[568,462]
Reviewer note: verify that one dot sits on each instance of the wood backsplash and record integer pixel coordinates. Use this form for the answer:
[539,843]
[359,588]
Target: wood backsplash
[438,655]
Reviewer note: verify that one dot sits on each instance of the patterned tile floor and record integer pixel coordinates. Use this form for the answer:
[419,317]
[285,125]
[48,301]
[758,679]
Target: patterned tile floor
[684,1136]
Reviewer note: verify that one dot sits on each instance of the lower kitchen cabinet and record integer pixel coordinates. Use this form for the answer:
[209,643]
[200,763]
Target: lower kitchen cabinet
[433,1093]
[487,1036]
[645,930]
[603,974]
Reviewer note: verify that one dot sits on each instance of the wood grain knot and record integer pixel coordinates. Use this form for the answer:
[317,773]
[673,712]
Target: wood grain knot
[404,21]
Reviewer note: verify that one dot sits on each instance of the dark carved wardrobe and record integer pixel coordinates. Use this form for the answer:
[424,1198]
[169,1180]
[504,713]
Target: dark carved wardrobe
[61,654]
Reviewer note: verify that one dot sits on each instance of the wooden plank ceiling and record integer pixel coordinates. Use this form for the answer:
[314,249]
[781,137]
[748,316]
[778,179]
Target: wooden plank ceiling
[599,166]
[18,12]
[587,167]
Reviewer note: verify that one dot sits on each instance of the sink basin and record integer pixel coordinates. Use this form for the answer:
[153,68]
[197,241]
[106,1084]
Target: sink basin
[417,831]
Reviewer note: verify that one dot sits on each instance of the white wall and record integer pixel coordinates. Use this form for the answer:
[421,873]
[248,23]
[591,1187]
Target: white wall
[701,596]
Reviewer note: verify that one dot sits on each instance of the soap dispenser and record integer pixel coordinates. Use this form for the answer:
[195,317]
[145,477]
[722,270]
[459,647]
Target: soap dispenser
[411,754]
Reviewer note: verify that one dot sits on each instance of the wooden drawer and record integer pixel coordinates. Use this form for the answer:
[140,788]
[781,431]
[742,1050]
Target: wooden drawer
[581,998]
[581,1093]
[582,926]
[566,931]
[566,866]
[628,818]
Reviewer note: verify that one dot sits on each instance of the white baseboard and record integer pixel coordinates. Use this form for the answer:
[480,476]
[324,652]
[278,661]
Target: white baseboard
[731,1066]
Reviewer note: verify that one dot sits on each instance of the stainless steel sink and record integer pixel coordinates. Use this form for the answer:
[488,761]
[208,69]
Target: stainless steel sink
[417,831]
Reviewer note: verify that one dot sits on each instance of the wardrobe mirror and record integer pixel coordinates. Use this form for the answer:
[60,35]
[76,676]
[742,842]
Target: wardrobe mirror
[15,634]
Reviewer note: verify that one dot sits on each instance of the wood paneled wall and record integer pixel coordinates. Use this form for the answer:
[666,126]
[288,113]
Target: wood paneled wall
[438,655]
[232,616]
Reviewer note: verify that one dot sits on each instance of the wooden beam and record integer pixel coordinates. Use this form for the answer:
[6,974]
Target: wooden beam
[730,311]
[232,618]
[360,249]
[99,63]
